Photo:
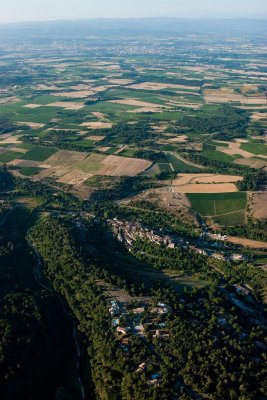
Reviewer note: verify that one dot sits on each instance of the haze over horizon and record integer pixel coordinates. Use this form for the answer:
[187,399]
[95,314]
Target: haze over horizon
[88,9]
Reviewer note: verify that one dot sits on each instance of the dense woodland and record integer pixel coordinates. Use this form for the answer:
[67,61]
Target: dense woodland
[74,280]
[35,336]
[225,367]
[6,179]
[226,122]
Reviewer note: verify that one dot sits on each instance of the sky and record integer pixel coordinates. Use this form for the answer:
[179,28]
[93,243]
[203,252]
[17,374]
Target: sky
[46,10]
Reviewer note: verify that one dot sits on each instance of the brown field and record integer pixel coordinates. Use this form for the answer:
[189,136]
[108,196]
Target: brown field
[98,89]
[104,149]
[24,163]
[185,179]
[120,81]
[122,166]
[33,125]
[7,100]
[257,116]
[8,138]
[67,105]
[81,86]
[248,87]
[105,66]
[75,177]
[206,188]
[159,86]
[164,198]
[251,162]
[135,103]
[234,149]
[18,150]
[64,158]
[253,244]
[46,87]
[225,95]
[184,104]
[96,138]
[75,95]
[251,108]
[259,205]
[146,110]
[178,139]
[32,105]
[102,117]
[97,125]
[45,173]
[256,100]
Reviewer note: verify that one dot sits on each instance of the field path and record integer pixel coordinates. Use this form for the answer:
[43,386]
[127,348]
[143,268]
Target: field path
[221,215]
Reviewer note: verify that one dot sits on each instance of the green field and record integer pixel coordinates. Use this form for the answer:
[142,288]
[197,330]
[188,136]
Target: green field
[128,153]
[215,204]
[91,164]
[25,146]
[9,156]
[255,148]
[218,156]
[39,153]
[180,166]
[29,171]
[164,167]
[236,218]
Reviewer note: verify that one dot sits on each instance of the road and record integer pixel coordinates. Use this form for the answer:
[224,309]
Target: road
[38,278]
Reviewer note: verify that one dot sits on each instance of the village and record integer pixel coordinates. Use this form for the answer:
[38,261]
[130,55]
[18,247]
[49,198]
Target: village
[213,246]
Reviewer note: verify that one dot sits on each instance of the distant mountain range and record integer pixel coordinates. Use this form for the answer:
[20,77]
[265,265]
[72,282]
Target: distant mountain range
[157,26]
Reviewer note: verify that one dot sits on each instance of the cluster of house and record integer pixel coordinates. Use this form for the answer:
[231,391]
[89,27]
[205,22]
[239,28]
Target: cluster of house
[220,237]
[128,232]
[231,257]
[124,324]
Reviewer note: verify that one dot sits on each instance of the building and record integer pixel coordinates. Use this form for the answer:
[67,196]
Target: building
[123,330]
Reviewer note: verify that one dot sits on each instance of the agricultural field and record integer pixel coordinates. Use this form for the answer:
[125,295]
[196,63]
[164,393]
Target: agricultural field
[226,208]
[39,153]
[142,114]
[205,183]
[133,188]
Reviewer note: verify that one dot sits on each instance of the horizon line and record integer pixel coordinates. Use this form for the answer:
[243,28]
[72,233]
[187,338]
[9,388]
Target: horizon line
[201,18]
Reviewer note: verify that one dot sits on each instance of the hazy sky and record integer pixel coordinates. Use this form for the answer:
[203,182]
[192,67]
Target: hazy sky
[38,10]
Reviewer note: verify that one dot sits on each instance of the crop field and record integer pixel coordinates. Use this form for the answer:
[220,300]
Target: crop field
[165,167]
[180,166]
[185,179]
[218,204]
[218,156]
[255,148]
[39,153]
[29,171]
[122,166]
[231,219]
[93,117]
[9,156]
[205,188]
[91,164]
